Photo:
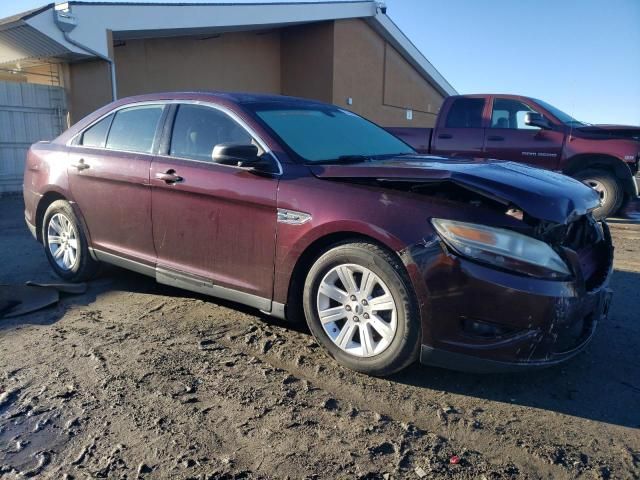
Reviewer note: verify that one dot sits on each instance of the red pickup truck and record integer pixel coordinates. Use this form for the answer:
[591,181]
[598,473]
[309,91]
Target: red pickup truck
[523,129]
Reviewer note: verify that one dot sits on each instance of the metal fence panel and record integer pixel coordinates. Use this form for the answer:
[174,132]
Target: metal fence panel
[28,113]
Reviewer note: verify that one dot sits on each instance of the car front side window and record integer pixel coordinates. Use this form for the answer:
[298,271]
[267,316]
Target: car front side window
[198,128]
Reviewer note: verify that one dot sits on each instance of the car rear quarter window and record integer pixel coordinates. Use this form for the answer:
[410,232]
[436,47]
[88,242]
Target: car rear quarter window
[133,129]
[96,135]
[465,113]
[197,129]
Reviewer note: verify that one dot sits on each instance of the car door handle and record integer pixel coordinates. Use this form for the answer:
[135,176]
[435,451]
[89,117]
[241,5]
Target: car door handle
[81,165]
[495,138]
[445,136]
[169,177]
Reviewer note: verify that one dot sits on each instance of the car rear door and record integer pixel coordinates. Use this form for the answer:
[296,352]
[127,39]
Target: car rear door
[109,180]
[509,138]
[213,225]
[460,132]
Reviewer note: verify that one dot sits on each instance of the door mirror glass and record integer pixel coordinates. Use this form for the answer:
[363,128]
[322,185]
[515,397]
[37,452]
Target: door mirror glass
[534,119]
[236,154]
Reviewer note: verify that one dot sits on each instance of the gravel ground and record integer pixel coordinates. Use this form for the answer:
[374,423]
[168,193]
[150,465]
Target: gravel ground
[138,380]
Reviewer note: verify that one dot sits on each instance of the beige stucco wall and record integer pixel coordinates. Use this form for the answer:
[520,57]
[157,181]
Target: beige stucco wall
[89,88]
[329,61]
[380,82]
[307,61]
[242,61]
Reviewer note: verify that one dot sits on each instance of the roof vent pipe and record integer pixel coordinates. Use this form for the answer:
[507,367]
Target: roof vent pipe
[66,22]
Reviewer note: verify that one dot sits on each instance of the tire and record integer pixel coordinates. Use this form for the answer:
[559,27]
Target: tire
[368,346]
[74,264]
[609,188]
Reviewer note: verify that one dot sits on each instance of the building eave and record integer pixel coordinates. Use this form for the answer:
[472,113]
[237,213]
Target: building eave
[21,43]
[390,32]
[142,20]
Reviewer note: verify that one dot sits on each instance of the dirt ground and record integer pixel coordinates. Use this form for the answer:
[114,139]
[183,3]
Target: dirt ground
[137,380]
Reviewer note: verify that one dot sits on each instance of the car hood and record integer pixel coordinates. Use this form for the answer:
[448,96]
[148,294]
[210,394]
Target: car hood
[612,131]
[540,193]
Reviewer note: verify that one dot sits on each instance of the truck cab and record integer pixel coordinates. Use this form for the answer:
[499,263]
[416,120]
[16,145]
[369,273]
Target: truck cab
[531,131]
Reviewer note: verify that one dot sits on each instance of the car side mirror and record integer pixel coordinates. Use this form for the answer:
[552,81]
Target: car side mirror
[238,155]
[534,119]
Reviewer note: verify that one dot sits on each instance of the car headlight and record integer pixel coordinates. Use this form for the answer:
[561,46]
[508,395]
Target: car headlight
[502,248]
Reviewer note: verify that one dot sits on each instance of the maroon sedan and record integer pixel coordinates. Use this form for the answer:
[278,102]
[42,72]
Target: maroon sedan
[300,208]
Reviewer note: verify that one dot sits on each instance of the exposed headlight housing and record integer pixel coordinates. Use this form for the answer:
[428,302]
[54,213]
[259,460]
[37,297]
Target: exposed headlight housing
[502,248]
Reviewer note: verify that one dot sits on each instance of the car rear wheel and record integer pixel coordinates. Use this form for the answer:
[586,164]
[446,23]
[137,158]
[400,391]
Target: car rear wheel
[360,306]
[65,244]
[608,187]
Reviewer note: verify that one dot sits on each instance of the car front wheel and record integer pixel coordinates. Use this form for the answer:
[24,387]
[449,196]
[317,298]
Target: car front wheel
[360,306]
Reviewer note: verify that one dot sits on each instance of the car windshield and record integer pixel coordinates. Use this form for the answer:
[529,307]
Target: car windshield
[327,134]
[560,115]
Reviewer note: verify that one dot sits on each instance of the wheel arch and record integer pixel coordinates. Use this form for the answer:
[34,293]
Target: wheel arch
[309,255]
[47,199]
[607,162]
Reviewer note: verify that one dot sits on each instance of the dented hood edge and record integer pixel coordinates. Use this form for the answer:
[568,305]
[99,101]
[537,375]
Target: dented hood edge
[542,194]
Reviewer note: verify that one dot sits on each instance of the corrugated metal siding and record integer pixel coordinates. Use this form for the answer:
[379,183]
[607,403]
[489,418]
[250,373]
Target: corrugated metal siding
[22,42]
[28,113]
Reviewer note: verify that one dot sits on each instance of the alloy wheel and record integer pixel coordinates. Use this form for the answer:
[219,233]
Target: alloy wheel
[62,240]
[356,310]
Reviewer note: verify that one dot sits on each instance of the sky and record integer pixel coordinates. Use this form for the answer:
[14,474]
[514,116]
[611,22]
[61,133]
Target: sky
[583,56]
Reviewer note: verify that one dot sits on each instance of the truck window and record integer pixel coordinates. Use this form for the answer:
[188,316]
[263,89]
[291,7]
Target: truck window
[510,114]
[465,113]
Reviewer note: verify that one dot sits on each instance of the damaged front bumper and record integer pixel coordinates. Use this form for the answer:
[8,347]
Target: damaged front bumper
[479,319]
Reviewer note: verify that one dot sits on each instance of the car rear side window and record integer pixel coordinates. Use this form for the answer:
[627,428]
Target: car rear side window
[465,113]
[96,135]
[197,129]
[133,129]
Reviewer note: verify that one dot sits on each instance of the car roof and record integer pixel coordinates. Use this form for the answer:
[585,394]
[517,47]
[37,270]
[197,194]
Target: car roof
[502,95]
[233,97]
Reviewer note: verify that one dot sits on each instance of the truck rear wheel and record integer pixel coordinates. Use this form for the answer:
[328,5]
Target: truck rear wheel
[608,187]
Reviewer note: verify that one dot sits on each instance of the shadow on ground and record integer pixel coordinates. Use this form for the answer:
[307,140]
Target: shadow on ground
[600,384]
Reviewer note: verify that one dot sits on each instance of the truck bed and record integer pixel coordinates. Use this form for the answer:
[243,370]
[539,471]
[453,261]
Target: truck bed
[418,138]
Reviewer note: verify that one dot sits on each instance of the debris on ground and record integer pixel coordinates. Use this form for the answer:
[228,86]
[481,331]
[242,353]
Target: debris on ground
[16,300]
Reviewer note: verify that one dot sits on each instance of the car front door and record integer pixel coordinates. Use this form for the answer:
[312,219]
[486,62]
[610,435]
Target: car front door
[509,138]
[214,225]
[109,180]
[461,134]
